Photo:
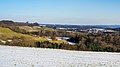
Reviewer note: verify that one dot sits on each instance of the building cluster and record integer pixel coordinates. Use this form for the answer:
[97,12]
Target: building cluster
[98,30]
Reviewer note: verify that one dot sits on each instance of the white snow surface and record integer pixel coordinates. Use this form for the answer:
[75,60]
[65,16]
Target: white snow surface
[41,57]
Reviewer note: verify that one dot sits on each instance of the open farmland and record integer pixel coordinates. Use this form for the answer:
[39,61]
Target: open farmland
[40,57]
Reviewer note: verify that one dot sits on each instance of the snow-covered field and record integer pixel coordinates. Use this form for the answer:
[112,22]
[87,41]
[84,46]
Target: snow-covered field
[39,57]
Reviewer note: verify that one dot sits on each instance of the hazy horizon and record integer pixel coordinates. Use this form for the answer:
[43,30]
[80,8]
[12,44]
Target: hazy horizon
[75,12]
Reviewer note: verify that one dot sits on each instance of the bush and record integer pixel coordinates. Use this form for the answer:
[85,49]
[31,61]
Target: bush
[22,41]
[110,49]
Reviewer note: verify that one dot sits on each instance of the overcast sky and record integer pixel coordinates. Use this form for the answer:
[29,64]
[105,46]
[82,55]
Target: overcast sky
[62,11]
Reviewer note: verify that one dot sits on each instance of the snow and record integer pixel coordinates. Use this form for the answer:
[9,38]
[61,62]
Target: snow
[41,57]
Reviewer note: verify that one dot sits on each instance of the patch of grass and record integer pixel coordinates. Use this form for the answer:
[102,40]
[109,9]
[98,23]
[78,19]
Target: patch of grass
[30,29]
[27,28]
[6,33]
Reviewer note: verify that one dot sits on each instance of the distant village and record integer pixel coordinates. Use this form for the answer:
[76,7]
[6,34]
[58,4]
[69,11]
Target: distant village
[98,30]
[84,28]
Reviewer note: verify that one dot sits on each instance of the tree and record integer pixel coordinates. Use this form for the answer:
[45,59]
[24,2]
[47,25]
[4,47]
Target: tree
[38,44]
[81,45]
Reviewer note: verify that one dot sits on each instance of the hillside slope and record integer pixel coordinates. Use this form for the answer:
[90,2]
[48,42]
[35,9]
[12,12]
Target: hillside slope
[19,39]
[6,33]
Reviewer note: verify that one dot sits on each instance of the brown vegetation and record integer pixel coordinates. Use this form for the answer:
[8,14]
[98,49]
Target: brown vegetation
[85,41]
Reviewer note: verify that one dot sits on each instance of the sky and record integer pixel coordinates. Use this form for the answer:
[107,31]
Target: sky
[79,12]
